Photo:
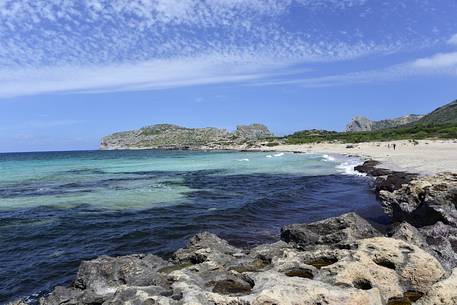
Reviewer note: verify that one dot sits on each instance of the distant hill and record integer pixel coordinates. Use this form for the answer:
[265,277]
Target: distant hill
[439,124]
[361,123]
[168,136]
[446,114]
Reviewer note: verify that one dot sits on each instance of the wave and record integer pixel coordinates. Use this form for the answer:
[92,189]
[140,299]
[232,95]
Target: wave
[345,165]
[243,160]
[328,158]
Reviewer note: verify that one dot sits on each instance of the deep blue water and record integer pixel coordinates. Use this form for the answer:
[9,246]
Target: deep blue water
[57,209]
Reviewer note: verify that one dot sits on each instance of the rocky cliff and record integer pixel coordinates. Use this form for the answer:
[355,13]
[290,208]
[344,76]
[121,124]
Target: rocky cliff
[167,136]
[361,123]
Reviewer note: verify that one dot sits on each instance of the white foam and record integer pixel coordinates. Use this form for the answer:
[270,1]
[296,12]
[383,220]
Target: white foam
[269,156]
[348,167]
[243,160]
[328,158]
[279,155]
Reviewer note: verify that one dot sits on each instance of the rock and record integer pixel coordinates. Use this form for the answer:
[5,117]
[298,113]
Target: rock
[424,201]
[18,302]
[275,288]
[335,261]
[386,180]
[206,247]
[252,132]
[168,136]
[338,231]
[63,295]
[361,123]
[442,293]
[442,240]
[391,265]
[104,274]
[410,234]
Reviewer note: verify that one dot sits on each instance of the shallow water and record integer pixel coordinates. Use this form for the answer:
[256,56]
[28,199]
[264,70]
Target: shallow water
[57,209]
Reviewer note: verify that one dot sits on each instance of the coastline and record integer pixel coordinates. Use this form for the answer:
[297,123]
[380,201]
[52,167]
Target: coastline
[344,258]
[427,157]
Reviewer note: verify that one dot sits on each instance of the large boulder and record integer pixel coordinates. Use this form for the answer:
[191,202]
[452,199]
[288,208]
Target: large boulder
[338,231]
[424,201]
[390,265]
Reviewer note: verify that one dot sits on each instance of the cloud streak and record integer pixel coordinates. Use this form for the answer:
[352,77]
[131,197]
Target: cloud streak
[111,45]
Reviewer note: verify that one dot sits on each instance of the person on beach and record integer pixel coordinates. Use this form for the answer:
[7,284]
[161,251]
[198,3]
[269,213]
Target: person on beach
[394,145]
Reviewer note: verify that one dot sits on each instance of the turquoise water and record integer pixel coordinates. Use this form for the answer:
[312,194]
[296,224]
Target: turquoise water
[110,179]
[59,208]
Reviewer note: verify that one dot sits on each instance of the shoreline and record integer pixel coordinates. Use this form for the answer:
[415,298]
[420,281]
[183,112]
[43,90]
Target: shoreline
[209,271]
[428,157]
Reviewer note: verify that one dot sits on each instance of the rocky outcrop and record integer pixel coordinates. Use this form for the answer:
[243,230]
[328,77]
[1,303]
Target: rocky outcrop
[424,207]
[361,123]
[424,201]
[167,136]
[374,270]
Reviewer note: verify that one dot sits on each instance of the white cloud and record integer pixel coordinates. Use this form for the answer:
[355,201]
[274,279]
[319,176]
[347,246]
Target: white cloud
[453,40]
[97,45]
[438,64]
[155,74]
[440,60]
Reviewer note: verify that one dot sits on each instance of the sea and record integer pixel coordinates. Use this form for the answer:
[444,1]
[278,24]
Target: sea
[59,208]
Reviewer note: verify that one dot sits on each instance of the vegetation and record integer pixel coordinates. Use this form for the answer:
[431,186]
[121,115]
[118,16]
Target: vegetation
[406,132]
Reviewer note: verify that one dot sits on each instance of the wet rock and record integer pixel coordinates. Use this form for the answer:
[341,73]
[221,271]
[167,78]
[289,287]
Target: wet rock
[442,293]
[424,201]
[339,231]
[386,179]
[63,295]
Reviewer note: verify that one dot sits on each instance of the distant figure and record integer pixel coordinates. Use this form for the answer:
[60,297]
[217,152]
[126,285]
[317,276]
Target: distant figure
[394,145]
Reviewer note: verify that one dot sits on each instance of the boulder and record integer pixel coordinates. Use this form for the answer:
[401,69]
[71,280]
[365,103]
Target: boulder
[442,240]
[442,293]
[390,265]
[406,232]
[424,201]
[338,231]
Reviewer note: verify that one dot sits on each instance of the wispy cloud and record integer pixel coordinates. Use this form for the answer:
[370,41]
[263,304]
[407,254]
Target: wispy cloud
[107,45]
[453,40]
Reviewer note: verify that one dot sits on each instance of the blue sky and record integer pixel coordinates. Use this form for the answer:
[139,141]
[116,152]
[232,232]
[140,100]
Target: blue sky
[72,71]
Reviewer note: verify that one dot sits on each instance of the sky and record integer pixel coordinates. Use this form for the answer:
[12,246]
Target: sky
[72,71]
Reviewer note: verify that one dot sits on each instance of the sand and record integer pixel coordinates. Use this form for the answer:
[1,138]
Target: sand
[427,157]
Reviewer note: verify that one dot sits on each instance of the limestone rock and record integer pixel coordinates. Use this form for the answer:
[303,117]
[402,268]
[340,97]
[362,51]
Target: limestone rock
[104,274]
[168,136]
[442,293]
[388,264]
[410,234]
[339,231]
[361,123]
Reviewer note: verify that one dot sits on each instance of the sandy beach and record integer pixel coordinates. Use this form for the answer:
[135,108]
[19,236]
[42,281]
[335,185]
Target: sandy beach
[427,157]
